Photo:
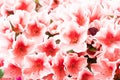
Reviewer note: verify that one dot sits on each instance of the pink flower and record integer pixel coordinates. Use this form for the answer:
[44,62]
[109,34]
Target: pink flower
[95,11]
[27,5]
[54,28]
[110,38]
[80,15]
[73,37]
[59,39]
[36,66]
[48,77]
[74,64]
[6,42]
[5,25]
[15,23]
[20,18]
[113,55]
[65,15]
[49,48]
[12,71]
[1,3]
[73,34]
[86,75]
[21,47]
[59,67]
[7,7]
[54,4]
[43,17]
[34,31]
[103,69]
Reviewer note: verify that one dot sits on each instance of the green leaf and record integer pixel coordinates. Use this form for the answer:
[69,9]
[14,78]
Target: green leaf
[92,49]
[1,73]
[70,51]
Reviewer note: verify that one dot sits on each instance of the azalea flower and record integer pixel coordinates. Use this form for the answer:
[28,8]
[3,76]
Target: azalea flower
[6,42]
[7,8]
[80,14]
[54,3]
[34,30]
[12,71]
[49,48]
[48,77]
[103,69]
[112,55]
[85,75]
[37,66]
[59,67]
[95,11]
[59,40]
[21,47]
[27,5]
[5,25]
[73,37]
[110,38]
[18,19]
[74,64]
[65,15]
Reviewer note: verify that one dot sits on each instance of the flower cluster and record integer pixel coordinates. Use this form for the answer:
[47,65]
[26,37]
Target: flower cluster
[59,40]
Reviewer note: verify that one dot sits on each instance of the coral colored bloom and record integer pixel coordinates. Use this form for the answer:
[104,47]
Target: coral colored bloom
[12,71]
[5,25]
[112,55]
[21,47]
[85,75]
[103,70]
[27,5]
[54,4]
[34,31]
[74,64]
[48,77]
[110,37]
[59,67]
[15,23]
[36,65]
[20,18]
[73,34]
[49,48]
[95,11]
[5,42]
[65,16]
[81,18]
[79,13]
[73,37]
